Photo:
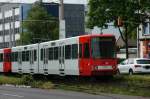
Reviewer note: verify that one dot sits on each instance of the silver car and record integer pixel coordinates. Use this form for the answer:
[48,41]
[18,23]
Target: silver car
[134,65]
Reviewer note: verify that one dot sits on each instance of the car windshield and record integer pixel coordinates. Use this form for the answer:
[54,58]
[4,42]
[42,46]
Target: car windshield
[103,47]
[143,61]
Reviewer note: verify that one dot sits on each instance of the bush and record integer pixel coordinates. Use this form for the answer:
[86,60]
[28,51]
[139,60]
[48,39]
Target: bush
[27,79]
[47,85]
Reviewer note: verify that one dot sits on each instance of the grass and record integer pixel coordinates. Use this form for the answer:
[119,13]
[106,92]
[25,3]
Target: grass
[134,85]
[138,85]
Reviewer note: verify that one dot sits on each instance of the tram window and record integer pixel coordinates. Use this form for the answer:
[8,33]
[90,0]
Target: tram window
[55,53]
[12,57]
[41,54]
[23,56]
[16,56]
[68,52]
[27,55]
[1,57]
[86,50]
[35,55]
[80,50]
[74,51]
[50,53]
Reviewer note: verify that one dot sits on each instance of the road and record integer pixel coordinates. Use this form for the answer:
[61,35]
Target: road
[9,92]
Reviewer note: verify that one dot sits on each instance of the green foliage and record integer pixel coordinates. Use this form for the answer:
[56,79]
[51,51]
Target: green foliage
[9,80]
[27,79]
[26,38]
[121,84]
[39,26]
[103,12]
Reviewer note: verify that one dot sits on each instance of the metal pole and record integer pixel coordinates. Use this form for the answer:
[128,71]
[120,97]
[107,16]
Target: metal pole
[61,10]
[62,27]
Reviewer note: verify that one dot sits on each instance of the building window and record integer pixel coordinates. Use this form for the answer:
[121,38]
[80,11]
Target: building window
[6,32]
[16,30]
[16,17]
[1,33]
[146,28]
[1,21]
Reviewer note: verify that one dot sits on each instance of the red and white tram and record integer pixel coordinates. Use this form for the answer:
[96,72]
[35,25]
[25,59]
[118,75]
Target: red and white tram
[88,55]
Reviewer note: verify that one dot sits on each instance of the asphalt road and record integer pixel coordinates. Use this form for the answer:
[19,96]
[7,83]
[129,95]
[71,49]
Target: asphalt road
[9,92]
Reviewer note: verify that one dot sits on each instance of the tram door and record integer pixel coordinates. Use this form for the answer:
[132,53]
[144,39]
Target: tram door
[31,56]
[45,60]
[61,60]
[20,62]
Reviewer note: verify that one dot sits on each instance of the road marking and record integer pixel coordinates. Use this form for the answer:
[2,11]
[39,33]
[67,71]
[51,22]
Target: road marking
[13,95]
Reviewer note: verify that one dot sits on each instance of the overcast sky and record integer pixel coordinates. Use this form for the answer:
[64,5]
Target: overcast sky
[31,1]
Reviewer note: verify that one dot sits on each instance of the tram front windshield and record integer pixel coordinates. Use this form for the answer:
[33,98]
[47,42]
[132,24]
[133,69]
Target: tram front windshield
[103,47]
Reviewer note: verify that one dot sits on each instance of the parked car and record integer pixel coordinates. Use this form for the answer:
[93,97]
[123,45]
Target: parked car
[134,65]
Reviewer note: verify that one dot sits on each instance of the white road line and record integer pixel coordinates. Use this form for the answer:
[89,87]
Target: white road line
[13,95]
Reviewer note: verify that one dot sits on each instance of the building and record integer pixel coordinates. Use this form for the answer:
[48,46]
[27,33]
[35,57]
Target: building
[131,43]
[144,39]
[132,48]
[12,15]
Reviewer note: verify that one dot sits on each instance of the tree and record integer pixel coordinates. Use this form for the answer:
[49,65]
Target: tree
[39,26]
[131,12]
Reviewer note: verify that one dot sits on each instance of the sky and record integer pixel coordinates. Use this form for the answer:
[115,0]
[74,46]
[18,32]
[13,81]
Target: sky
[31,1]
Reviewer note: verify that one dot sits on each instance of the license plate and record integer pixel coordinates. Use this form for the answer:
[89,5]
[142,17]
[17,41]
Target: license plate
[104,67]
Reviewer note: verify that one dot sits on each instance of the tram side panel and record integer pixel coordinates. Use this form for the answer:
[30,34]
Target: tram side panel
[7,60]
[30,60]
[17,59]
[85,67]
[57,57]
[25,59]
[70,62]
[48,58]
